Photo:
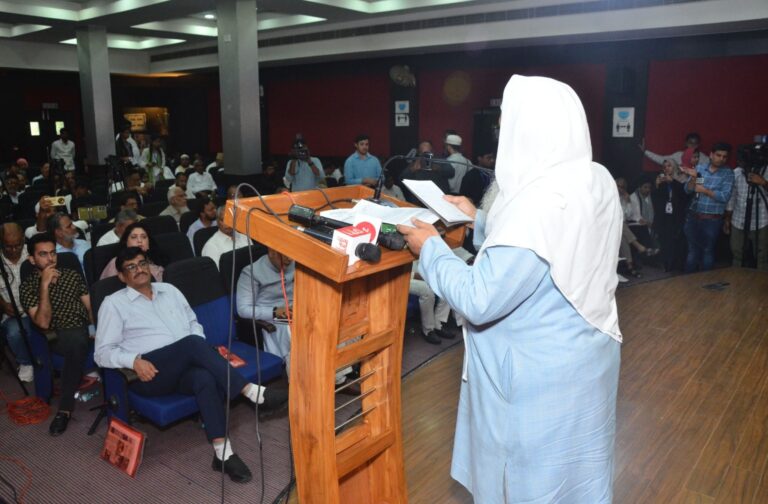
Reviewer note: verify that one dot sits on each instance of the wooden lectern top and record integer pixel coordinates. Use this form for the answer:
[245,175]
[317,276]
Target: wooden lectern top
[320,257]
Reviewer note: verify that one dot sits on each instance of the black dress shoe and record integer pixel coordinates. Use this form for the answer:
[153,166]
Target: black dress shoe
[432,337]
[234,468]
[59,424]
[275,400]
[445,334]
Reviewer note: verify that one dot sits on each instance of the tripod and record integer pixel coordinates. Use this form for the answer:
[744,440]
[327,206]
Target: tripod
[755,196]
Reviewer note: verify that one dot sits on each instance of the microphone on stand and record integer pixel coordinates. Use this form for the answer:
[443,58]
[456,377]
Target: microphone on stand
[380,182]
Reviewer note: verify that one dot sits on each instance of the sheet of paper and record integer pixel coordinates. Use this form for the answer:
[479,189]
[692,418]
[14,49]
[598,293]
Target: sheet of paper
[402,215]
[431,195]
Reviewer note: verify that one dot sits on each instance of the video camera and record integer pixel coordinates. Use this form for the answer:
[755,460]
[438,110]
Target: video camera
[299,149]
[753,158]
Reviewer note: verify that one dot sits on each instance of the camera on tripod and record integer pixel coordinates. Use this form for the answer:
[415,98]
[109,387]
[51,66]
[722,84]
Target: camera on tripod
[753,157]
[299,149]
[117,168]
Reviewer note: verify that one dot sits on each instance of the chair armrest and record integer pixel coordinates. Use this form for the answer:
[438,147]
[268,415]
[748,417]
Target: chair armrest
[129,374]
[267,326]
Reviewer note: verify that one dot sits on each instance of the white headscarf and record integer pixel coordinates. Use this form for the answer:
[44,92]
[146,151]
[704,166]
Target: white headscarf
[554,200]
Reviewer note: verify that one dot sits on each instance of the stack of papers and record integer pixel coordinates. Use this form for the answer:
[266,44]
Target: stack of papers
[432,196]
[389,215]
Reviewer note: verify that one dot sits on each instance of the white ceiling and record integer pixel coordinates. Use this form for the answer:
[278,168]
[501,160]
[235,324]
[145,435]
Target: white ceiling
[154,35]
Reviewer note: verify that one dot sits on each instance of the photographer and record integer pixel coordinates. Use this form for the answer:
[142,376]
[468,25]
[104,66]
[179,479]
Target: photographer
[749,186]
[303,171]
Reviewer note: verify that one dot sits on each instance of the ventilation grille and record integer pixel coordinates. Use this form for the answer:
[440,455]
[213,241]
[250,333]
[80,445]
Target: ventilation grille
[468,19]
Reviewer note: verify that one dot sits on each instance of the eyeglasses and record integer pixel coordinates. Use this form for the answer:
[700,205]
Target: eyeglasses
[44,253]
[13,247]
[130,268]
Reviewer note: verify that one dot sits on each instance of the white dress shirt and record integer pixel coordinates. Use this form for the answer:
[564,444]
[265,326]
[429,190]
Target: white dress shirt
[65,152]
[130,324]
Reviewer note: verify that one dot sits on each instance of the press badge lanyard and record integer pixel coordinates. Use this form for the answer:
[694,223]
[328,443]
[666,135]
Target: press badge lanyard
[668,208]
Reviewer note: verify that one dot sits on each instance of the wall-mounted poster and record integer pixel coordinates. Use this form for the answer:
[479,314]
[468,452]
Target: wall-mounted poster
[151,120]
[623,122]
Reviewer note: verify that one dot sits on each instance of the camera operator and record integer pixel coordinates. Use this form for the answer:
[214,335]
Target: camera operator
[749,184]
[303,171]
[126,147]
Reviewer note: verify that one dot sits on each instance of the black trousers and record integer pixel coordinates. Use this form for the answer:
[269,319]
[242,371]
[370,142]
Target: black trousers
[72,344]
[191,366]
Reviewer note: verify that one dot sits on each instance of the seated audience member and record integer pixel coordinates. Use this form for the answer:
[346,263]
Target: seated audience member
[362,167]
[9,203]
[64,231]
[153,161]
[735,222]
[260,297]
[177,203]
[58,300]
[303,171]
[424,169]
[433,314]
[45,174]
[132,183]
[692,141]
[390,189]
[123,219]
[669,204]
[136,235]
[200,182]
[184,164]
[206,209]
[44,212]
[269,180]
[628,238]
[460,164]
[181,182]
[710,187]
[232,190]
[217,165]
[81,198]
[150,328]
[222,240]
[129,201]
[332,175]
[13,256]
[476,182]
[641,211]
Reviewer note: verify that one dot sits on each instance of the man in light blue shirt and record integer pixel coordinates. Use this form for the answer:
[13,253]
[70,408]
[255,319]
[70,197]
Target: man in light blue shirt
[61,226]
[206,209]
[362,167]
[150,328]
[303,172]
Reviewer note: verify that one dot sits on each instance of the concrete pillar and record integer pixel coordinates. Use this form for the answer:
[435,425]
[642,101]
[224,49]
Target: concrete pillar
[239,86]
[96,93]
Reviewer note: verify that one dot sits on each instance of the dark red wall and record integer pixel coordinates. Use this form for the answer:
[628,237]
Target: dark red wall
[720,98]
[439,109]
[329,111]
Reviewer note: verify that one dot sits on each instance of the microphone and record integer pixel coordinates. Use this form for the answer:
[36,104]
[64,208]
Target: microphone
[309,219]
[427,157]
[368,252]
[380,182]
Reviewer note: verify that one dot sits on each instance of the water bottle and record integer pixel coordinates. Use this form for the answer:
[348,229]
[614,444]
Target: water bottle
[87,395]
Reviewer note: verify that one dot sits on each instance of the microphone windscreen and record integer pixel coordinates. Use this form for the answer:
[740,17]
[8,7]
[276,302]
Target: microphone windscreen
[368,252]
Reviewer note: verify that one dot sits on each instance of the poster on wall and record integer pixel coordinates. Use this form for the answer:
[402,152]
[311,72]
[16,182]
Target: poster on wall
[402,120]
[623,122]
[148,120]
[402,107]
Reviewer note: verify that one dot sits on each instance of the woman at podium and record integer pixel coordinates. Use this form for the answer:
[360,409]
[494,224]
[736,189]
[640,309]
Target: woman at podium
[537,411]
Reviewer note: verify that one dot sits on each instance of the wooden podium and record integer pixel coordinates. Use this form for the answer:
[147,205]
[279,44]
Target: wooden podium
[341,315]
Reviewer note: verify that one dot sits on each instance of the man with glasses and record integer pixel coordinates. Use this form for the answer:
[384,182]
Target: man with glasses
[57,300]
[177,203]
[170,354]
[13,256]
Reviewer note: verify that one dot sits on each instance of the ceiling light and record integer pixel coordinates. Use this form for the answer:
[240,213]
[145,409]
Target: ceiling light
[210,16]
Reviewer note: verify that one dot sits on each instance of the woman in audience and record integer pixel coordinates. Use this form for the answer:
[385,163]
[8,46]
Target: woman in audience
[153,160]
[669,204]
[136,235]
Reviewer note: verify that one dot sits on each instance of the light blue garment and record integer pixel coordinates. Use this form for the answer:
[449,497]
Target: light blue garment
[194,228]
[304,179]
[259,290]
[79,249]
[130,324]
[537,413]
[356,169]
